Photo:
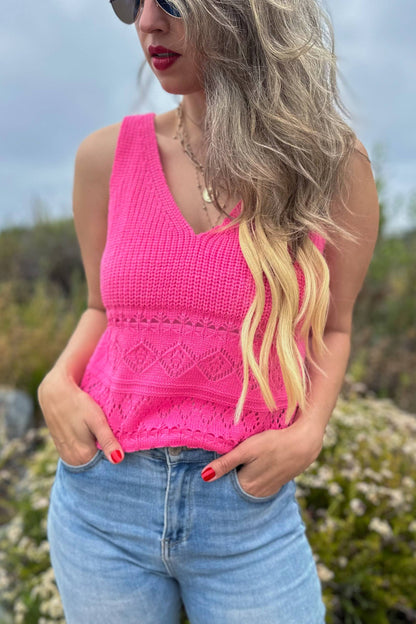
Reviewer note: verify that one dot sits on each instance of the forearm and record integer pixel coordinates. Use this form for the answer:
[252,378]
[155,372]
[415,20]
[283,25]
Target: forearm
[325,384]
[72,362]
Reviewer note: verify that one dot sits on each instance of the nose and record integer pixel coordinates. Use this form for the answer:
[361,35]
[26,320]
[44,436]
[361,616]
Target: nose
[151,17]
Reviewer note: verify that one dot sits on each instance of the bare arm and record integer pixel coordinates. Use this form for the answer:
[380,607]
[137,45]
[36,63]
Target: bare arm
[75,421]
[274,457]
[348,263]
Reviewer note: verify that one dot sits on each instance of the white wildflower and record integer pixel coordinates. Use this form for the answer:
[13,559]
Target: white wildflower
[324,573]
[373,497]
[4,580]
[300,492]
[40,503]
[330,438]
[19,612]
[44,547]
[342,562]
[408,482]
[25,543]
[371,474]
[374,447]
[370,490]
[313,480]
[351,473]
[44,524]
[363,487]
[334,488]
[381,527]
[397,497]
[348,458]
[387,473]
[357,506]
[412,526]
[395,440]
[328,526]
[409,448]
[14,530]
[53,607]
[326,473]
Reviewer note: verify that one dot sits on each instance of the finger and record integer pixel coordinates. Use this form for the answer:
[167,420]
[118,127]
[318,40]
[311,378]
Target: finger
[100,428]
[219,467]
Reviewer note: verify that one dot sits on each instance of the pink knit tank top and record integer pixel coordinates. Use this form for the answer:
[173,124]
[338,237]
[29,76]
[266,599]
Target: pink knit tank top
[168,369]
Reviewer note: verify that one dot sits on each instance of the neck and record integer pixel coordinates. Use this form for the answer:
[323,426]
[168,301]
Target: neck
[193,107]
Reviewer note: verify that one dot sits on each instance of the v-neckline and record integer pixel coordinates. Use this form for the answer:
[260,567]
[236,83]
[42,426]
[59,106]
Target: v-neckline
[166,193]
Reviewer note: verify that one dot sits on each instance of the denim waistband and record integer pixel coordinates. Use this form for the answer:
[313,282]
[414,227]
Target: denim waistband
[175,454]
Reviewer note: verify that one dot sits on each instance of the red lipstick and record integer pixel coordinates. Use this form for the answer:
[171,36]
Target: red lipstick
[162,58]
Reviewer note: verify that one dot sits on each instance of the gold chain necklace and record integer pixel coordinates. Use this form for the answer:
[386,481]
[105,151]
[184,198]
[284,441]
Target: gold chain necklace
[206,194]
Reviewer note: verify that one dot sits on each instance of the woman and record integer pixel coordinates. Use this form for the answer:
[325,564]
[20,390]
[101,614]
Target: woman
[209,359]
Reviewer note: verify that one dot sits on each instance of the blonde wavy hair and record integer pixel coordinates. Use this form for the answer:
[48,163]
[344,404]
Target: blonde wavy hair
[274,134]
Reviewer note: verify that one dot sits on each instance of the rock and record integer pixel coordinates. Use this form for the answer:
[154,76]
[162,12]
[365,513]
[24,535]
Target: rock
[5,616]
[16,414]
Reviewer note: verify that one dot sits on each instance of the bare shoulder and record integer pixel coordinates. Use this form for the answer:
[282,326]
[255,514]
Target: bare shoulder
[95,154]
[93,166]
[359,147]
[361,212]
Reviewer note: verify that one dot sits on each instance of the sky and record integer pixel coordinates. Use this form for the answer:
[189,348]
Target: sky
[69,67]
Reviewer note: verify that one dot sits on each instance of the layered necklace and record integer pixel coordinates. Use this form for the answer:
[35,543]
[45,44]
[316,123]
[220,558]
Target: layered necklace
[206,193]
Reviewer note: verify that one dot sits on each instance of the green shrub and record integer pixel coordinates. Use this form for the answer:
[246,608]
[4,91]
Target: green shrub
[48,251]
[384,338]
[34,331]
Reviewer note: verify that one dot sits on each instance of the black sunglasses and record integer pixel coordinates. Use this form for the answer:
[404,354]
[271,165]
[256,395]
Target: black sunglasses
[127,10]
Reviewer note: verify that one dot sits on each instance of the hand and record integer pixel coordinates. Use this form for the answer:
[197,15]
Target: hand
[76,422]
[271,458]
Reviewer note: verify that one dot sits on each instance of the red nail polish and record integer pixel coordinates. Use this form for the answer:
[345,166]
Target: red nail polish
[208,474]
[116,456]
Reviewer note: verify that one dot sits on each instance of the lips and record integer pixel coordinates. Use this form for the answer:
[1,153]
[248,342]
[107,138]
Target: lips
[161,52]
[162,58]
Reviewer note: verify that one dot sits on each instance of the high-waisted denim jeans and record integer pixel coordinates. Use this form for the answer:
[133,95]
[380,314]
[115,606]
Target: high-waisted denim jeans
[130,542]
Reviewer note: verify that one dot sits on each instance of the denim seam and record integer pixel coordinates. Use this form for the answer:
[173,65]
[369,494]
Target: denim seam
[250,497]
[83,467]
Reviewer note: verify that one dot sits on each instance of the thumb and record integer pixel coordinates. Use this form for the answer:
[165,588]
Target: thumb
[220,466]
[106,438]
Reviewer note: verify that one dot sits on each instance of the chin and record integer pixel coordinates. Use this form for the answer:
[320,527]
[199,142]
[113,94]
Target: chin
[178,89]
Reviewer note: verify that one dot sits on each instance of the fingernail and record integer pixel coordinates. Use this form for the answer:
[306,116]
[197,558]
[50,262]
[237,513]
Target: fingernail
[208,474]
[116,456]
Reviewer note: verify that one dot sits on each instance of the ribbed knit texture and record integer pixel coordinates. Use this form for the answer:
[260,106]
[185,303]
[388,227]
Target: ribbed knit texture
[168,369]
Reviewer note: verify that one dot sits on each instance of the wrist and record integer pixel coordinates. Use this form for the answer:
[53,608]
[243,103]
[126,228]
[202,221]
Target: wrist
[312,433]
[56,382]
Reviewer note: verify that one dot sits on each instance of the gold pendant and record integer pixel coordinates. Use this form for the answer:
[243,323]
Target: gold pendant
[206,196]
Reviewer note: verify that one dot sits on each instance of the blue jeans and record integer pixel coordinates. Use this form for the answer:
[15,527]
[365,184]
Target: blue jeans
[130,542]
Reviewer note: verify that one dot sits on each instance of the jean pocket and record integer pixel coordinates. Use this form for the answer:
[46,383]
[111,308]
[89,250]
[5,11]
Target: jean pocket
[250,497]
[83,467]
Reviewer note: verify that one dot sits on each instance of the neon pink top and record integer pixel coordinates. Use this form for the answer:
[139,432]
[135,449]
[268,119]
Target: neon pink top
[168,369]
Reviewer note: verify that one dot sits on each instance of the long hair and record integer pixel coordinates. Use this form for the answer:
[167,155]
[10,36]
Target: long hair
[274,134]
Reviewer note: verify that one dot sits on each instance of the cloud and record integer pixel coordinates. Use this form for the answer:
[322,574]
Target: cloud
[377,52]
